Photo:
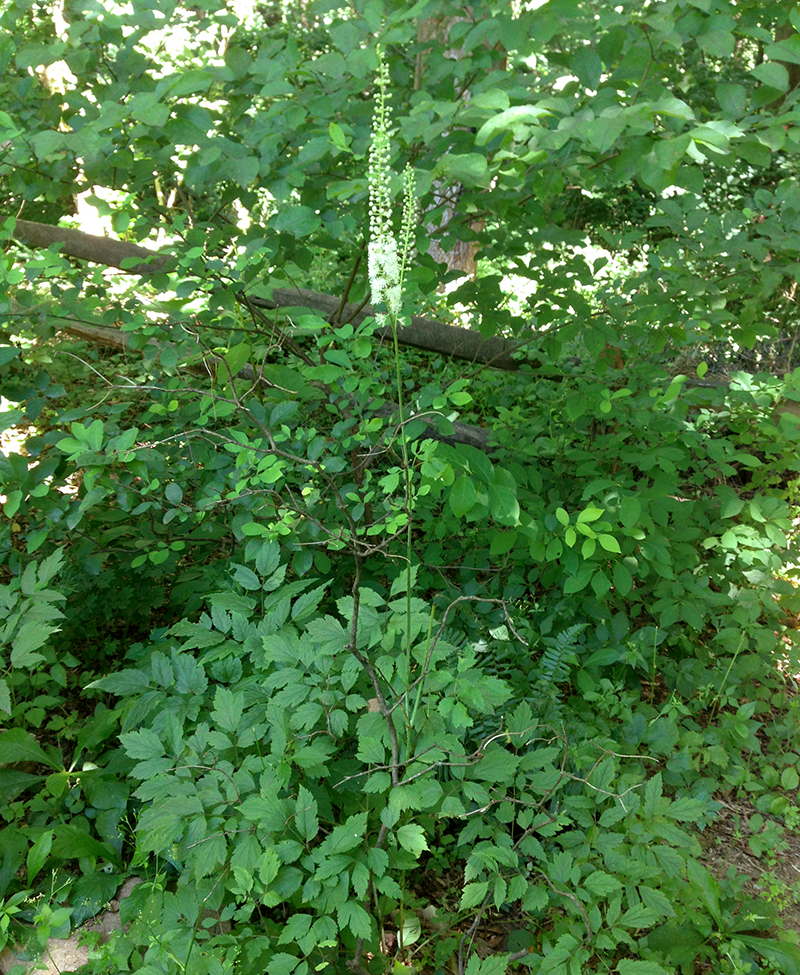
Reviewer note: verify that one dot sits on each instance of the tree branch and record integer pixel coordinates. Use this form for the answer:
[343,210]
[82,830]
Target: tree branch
[89,247]
[421,333]
[206,364]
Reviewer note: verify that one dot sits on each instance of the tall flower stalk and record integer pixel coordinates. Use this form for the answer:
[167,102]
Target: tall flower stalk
[387,263]
[387,257]
[383,260]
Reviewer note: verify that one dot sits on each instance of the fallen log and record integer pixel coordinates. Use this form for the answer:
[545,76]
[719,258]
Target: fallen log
[207,364]
[783,407]
[422,333]
[90,247]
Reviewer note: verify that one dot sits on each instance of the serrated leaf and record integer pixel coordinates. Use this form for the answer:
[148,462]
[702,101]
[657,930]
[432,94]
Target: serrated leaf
[371,751]
[306,716]
[148,769]
[267,810]
[452,806]
[491,965]
[313,756]
[353,916]
[687,809]
[142,744]
[639,916]
[228,709]
[496,765]
[359,878]
[306,814]
[670,861]
[656,900]
[473,894]
[306,605]
[405,581]
[282,964]
[652,796]
[50,566]
[601,884]
[345,837]
[209,856]
[246,578]
[29,638]
[412,838]
[294,928]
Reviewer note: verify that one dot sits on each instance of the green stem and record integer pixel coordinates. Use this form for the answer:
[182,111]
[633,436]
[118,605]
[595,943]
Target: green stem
[419,686]
[715,708]
[407,486]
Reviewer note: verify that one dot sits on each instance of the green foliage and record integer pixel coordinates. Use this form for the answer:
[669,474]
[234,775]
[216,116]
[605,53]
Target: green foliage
[271,785]
[355,655]
[69,811]
[31,614]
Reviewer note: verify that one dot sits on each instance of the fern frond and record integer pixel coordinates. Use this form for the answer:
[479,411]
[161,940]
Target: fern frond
[560,655]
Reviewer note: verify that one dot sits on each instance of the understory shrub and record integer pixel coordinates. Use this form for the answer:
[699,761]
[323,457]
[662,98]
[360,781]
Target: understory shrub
[299,760]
